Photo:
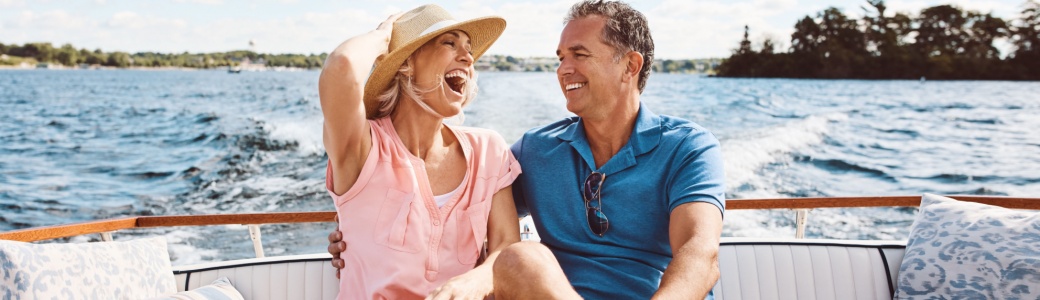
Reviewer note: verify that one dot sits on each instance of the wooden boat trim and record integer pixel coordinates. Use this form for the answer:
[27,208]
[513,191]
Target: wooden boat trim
[91,227]
[876,201]
[261,218]
[103,226]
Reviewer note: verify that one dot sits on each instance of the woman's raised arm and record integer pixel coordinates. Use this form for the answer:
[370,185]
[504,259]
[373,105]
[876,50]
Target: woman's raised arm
[346,133]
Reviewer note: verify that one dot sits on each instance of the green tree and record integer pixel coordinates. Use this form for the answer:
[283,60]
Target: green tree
[806,37]
[1027,33]
[768,46]
[745,44]
[839,31]
[1027,42]
[890,55]
[879,37]
[42,52]
[984,30]
[97,58]
[843,48]
[119,60]
[743,62]
[67,55]
[941,31]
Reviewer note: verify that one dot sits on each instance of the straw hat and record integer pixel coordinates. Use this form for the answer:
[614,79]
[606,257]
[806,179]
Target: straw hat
[414,29]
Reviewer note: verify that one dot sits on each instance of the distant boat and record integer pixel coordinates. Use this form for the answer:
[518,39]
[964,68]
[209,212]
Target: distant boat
[249,65]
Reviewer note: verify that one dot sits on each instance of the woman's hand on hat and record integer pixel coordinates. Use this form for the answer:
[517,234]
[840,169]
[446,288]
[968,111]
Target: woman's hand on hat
[389,23]
[387,26]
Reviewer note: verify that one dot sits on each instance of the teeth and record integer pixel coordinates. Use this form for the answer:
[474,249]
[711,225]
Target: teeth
[573,86]
[456,73]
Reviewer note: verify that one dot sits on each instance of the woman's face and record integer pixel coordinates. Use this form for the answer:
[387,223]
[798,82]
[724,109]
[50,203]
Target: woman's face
[443,66]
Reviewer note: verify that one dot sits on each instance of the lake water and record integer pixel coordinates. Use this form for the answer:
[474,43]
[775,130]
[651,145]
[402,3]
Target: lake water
[79,145]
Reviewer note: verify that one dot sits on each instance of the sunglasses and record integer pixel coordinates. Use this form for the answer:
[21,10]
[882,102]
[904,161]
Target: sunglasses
[593,195]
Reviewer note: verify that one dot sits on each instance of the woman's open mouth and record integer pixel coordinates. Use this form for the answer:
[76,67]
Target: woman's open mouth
[456,80]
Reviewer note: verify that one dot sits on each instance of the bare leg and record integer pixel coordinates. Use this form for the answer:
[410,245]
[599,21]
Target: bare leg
[528,270]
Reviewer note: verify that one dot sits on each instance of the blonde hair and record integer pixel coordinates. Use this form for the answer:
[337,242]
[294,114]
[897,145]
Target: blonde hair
[404,85]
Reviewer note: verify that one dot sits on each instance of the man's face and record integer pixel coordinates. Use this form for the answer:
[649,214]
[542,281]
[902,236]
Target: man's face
[588,75]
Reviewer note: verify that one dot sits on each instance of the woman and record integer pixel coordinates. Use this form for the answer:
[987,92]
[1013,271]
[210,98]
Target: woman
[415,198]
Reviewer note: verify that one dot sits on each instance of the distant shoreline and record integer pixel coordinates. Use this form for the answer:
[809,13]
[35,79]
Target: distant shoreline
[107,68]
[103,68]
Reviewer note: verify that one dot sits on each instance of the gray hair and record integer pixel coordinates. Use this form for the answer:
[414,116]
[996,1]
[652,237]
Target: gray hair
[626,30]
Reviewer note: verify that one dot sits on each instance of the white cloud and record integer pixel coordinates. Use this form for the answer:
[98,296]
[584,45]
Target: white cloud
[207,2]
[56,19]
[307,33]
[532,29]
[12,3]
[681,28]
[684,29]
[1003,9]
[49,26]
[128,23]
[775,5]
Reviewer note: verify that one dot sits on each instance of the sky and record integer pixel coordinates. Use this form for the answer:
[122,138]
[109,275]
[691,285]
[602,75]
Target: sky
[682,29]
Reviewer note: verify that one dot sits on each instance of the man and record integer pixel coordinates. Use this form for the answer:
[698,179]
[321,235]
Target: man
[628,204]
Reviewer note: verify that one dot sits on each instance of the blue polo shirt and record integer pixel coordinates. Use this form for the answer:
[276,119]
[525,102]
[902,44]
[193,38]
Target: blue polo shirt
[666,162]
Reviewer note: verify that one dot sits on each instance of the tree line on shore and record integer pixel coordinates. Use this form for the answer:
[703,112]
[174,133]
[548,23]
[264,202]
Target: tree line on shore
[942,42]
[68,55]
[509,63]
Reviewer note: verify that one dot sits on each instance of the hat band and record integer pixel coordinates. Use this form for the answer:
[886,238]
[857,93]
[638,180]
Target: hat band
[438,26]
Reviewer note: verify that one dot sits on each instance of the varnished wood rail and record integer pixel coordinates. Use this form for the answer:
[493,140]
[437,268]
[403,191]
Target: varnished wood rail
[876,201]
[109,225]
[91,227]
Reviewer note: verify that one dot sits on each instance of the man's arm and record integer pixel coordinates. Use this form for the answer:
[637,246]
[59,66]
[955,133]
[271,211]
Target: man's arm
[693,231]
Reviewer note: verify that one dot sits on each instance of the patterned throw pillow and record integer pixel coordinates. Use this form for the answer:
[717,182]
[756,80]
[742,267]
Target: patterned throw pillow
[107,270]
[965,250]
[220,289]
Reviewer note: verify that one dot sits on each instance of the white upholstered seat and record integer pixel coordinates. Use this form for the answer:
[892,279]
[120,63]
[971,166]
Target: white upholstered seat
[752,269]
[303,277]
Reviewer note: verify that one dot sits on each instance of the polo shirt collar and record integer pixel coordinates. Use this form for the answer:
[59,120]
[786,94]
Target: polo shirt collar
[647,132]
[645,137]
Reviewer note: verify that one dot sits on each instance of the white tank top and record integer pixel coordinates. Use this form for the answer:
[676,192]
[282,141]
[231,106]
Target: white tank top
[443,199]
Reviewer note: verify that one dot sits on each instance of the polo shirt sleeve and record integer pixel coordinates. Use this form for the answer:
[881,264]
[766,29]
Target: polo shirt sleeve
[518,188]
[699,176]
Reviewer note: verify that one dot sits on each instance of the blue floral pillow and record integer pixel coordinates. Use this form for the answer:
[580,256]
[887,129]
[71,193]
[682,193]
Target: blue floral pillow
[966,250]
[107,270]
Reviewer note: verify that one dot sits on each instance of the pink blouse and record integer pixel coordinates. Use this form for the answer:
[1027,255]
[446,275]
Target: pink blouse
[400,245]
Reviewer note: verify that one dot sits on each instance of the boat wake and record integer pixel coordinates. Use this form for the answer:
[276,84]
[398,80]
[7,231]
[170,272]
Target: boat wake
[747,154]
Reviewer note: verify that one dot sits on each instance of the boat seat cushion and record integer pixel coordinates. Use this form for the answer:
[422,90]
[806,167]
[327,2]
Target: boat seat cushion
[295,277]
[220,289]
[966,250]
[777,269]
[107,270]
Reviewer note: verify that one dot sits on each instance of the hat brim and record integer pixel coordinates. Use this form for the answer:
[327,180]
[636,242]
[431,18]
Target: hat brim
[483,32]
